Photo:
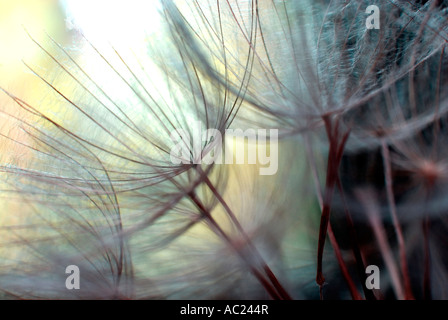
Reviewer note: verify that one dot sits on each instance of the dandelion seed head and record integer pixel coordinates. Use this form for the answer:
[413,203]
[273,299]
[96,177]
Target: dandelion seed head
[98,186]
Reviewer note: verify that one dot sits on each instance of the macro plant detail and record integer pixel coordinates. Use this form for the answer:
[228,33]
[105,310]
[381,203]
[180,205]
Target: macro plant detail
[355,117]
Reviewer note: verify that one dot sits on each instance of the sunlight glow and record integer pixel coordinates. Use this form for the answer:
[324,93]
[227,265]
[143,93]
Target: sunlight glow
[118,21]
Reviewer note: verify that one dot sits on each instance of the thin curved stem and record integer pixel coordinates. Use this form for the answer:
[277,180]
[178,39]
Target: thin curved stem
[398,230]
[279,287]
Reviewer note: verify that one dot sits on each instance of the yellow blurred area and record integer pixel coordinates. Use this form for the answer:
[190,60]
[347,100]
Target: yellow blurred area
[36,16]
[17,17]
